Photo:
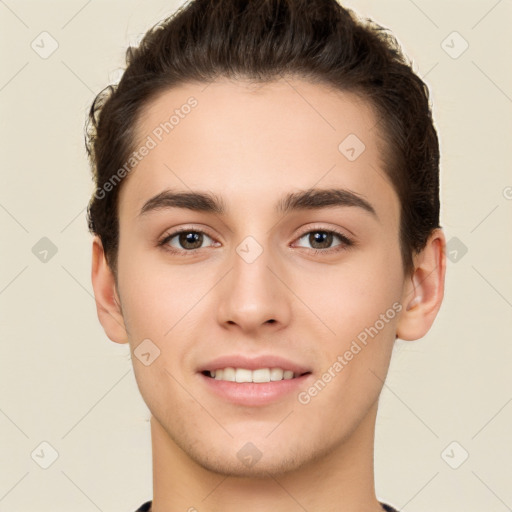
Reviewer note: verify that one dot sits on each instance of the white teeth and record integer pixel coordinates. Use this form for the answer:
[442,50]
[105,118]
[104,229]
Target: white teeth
[245,375]
[261,375]
[229,374]
[276,374]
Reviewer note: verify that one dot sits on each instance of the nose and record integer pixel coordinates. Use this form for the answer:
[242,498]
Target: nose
[254,294]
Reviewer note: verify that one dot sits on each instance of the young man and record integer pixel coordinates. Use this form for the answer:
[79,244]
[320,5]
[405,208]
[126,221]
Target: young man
[266,221]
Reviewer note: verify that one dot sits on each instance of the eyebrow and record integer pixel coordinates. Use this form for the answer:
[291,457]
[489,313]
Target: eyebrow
[310,199]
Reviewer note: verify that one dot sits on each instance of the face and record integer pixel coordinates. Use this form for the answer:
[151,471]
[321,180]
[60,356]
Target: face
[314,289]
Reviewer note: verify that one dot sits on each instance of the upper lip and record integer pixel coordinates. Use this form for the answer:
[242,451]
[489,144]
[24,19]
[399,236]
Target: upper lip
[253,363]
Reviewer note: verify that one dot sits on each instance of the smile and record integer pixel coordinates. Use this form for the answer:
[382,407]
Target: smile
[245,375]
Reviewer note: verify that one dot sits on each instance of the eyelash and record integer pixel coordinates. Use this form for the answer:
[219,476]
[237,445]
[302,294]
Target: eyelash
[345,244]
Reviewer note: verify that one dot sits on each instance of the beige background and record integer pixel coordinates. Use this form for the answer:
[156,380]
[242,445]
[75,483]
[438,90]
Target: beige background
[64,383]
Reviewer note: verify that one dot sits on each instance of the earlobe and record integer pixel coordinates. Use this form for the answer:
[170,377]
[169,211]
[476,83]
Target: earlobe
[108,305]
[424,290]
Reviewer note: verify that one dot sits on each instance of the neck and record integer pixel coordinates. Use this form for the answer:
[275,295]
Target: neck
[339,481]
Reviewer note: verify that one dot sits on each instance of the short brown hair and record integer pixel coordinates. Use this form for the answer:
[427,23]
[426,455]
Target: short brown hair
[262,40]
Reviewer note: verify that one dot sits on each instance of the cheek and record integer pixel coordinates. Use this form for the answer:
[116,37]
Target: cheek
[357,291]
[162,303]
[354,357]
[145,295]
[358,305]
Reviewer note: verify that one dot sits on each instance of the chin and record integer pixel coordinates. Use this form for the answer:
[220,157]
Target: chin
[230,464]
[242,458]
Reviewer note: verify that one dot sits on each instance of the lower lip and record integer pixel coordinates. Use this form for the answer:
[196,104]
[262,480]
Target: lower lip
[252,393]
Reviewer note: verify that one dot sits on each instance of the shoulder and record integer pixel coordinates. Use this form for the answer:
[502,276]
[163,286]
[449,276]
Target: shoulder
[145,507]
[388,508]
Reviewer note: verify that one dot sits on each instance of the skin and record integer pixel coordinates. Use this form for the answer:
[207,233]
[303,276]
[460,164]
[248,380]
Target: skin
[251,145]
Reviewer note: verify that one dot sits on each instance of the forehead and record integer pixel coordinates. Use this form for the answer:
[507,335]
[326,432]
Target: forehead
[253,143]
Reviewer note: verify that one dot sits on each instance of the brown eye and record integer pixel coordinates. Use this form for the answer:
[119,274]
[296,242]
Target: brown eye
[184,240]
[321,240]
[190,240]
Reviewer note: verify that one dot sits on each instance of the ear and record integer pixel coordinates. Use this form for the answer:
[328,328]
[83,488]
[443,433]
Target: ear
[108,304]
[424,289]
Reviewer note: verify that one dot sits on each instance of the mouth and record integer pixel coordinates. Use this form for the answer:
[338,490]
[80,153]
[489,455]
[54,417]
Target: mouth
[259,375]
[241,380]
[256,386]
